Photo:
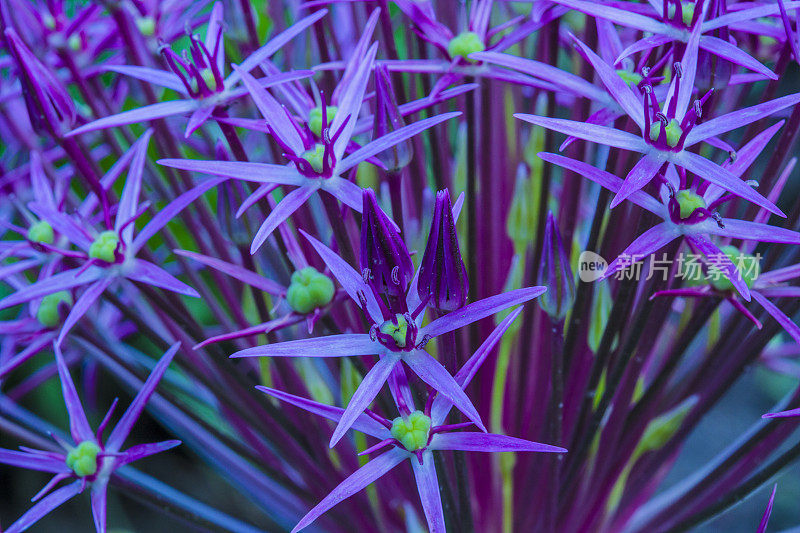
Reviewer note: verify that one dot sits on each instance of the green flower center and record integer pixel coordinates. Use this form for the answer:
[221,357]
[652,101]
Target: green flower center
[315,157]
[209,79]
[673,132]
[689,202]
[308,290]
[104,247]
[687,12]
[412,431]
[747,265]
[397,331]
[629,77]
[74,42]
[146,25]
[41,232]
[82,459]
[315,118]
[464,44]
[47,314]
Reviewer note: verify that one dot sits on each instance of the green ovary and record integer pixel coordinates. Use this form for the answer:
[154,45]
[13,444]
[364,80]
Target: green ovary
[629,77]
[397,331]
[82,459]
[308,290]
[412,431]
[209,79]
[315,118]
[746,264]
[41,232]
[673,132]
[47,314]
[687,12]
[105,246]
[316,157]
[146,25]
[689,202]
[464,44]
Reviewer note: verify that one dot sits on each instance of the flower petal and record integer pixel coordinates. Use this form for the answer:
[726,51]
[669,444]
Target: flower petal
[129,200]
[780,317]
[78,424]
[434,374]
[341,345]
[235,271]
[258,172]
[489,442]
[354,483]
[477,310]
[45,505]
[367,390]
[721,262]
[89,296]
[724,49]
[150,75]
[123,427]
[428,488]
[32,461]
[290,203]
[140,451]
[589,132]
[145,272]
[640,175]
[645,244]
[57,282]
[140,114]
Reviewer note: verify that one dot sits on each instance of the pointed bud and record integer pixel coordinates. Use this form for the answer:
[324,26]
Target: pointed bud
[50,107]
[555,274]
[385,260]
[442,275]
[388,119]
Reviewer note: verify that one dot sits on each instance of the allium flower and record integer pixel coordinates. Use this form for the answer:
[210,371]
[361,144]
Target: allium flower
[688,212]
[316,163]
[109,254]
[87,461]
[395,336]
[414,435]
[674,21]
[200,78]
[666,134]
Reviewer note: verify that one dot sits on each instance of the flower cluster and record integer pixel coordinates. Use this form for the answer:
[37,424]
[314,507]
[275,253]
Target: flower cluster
[341,237]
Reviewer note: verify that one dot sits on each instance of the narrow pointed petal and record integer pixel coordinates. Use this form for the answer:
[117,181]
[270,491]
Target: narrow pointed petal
[589,132]
[99,497]
[780,317]
[756,231]
[89,296]
[345,191]
[78,424]
[783,414]
[156,276]
[63,224]
[354,483]
[351,101]
[736,119]
[129,200]
[44,506]
[123,427]
[258,172]
[351,281]
[366,392]
[749,152]
[489,442]
[428,488]
[717,175]
[170,210]
[724,49]
[620,16]
[150,75]
[480,309]
[140,451]
[618,88]
[391,139]
[274,44]
[645,244]
[140,114]
[30,461]
[604,179]
[342,345]
[362,423]
[42,191]
[434,374]
[441,405]
[58,282]
[640,175]
[290,203]
[197,119]
[273,112]
[240,273]
[762,527]
[721,262]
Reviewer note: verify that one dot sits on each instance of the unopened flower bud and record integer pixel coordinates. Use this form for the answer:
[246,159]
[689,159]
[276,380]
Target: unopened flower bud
[385,260]
[308,290]
[442,275]
[388,118]
[555,274]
